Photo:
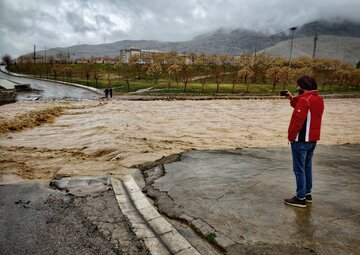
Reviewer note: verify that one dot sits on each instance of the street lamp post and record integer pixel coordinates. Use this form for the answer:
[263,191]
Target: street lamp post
[46,66]
[292,29]
[315,40]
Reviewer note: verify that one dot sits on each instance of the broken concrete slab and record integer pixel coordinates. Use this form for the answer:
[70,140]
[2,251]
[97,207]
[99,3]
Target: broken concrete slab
[82,185]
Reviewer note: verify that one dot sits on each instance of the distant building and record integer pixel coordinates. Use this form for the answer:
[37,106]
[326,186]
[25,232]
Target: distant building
[126,54]
[82,61]
[97,60]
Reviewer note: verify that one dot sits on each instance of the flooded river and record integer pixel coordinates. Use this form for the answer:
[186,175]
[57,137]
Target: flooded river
[92,138]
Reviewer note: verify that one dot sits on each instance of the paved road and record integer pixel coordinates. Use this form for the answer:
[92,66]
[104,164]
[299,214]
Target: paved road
[36,219]
[50,90]
[238,195]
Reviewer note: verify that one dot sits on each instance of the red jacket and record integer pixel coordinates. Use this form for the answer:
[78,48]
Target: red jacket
[305,123]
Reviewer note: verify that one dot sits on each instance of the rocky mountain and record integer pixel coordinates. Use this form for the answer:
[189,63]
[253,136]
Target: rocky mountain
[337,28]
[232,42]
[346,49]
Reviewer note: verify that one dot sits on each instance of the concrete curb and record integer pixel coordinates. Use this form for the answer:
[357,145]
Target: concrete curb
[98,91]
[160,237]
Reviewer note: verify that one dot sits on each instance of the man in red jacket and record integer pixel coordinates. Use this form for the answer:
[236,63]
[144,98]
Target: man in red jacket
[303,133]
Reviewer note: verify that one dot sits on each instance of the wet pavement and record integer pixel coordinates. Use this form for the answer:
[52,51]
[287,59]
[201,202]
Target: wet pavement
[48,89]
[82,218]
[236,199]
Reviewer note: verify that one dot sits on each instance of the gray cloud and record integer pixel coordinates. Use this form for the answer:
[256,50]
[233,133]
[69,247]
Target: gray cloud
[68,22]
[78,23]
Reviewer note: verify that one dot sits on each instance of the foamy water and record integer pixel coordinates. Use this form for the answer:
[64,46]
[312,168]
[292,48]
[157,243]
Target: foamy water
[119,134]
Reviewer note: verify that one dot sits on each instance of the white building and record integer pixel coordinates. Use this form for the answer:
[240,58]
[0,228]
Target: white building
[126,54]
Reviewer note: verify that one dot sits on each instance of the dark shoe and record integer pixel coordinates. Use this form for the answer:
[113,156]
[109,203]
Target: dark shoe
[296,202]
[308,199]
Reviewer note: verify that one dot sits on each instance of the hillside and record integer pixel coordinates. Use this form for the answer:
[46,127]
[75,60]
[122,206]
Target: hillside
[346,49]
[240,41]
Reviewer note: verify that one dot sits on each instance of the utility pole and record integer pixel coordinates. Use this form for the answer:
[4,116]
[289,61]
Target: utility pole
[46,67]
[292,29]
[34,54]
[315,41]
[255,51]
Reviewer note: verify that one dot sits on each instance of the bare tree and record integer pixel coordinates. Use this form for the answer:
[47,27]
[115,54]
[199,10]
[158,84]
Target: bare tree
[136,65]
[174,69]
[355,81]
[295,73]
[97,75]
[7,59]
[343,77]
[87,72]
[224,60]
[51,60]
[118,67]
[28,63]
[246,73]
[159,58]
[324,70]
[234,64]
[55,71]
[186,67]
[202,64]
[108,76]
[63,57]
[216,72]
[68,73]
[126,76]
[261,64]
[124,73]
[154,70]
[192,56]
[275,71]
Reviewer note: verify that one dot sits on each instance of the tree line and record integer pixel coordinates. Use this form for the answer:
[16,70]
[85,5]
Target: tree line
[181,69]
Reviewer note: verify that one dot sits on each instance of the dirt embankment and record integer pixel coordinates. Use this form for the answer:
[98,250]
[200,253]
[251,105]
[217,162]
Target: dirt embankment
[30,119]
[24,115]
[33,162]
[42,163]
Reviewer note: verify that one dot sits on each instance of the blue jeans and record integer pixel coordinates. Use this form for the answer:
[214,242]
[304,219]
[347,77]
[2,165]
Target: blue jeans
[302,154]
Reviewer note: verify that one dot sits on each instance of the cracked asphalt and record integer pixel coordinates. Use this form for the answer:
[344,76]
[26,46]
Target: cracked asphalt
[36,219]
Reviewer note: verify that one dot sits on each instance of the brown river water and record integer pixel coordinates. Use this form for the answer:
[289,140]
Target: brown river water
[93,138]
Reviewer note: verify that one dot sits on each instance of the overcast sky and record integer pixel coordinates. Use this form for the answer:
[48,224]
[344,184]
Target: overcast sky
[61,23]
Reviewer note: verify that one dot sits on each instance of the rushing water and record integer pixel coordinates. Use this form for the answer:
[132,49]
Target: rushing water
[112,136]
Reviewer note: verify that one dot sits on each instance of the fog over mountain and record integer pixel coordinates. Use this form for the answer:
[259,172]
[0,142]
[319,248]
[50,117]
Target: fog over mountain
[50,24]
[338,40]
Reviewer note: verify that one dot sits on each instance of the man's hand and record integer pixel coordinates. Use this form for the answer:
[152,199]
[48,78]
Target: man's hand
[289,95]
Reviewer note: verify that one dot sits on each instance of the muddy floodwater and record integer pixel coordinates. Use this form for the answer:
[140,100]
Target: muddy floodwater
[92,138]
